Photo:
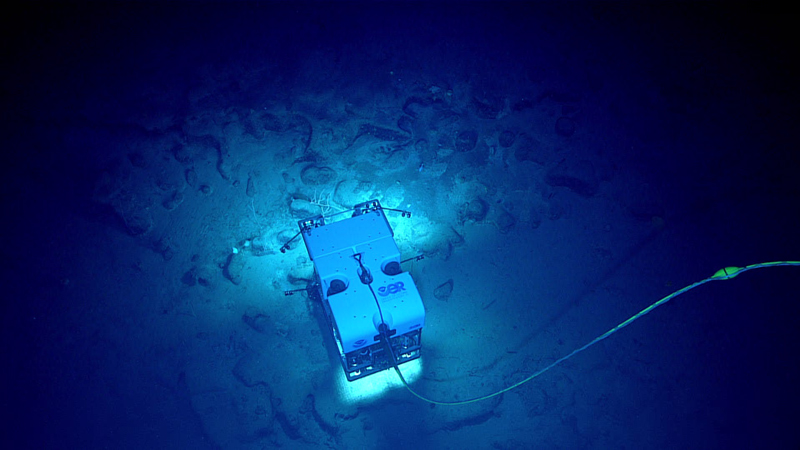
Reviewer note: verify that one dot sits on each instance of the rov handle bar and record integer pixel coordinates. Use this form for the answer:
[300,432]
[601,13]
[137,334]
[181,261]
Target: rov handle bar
[402,212]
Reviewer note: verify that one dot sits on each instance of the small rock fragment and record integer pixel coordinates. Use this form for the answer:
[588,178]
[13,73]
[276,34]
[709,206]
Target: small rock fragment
[444,290]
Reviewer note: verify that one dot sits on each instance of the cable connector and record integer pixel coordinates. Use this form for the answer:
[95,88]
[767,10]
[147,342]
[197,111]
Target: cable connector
[727,273]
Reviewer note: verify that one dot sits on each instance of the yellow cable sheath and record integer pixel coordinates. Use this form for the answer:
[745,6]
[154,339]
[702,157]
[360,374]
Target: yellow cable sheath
[723,274]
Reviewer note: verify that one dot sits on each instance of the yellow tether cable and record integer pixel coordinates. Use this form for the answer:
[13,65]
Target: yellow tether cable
[723,274]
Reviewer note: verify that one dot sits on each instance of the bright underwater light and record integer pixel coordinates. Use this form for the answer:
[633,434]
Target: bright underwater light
[376,385]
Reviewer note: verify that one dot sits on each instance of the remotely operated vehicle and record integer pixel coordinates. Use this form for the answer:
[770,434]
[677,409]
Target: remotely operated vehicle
[372,306]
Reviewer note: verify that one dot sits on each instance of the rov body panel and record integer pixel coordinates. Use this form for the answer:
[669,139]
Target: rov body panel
[356,304]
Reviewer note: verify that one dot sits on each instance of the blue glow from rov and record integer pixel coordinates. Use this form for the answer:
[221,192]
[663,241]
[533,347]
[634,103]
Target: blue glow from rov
[368,389]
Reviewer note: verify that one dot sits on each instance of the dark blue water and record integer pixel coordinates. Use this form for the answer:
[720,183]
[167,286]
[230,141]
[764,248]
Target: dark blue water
[567,165]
